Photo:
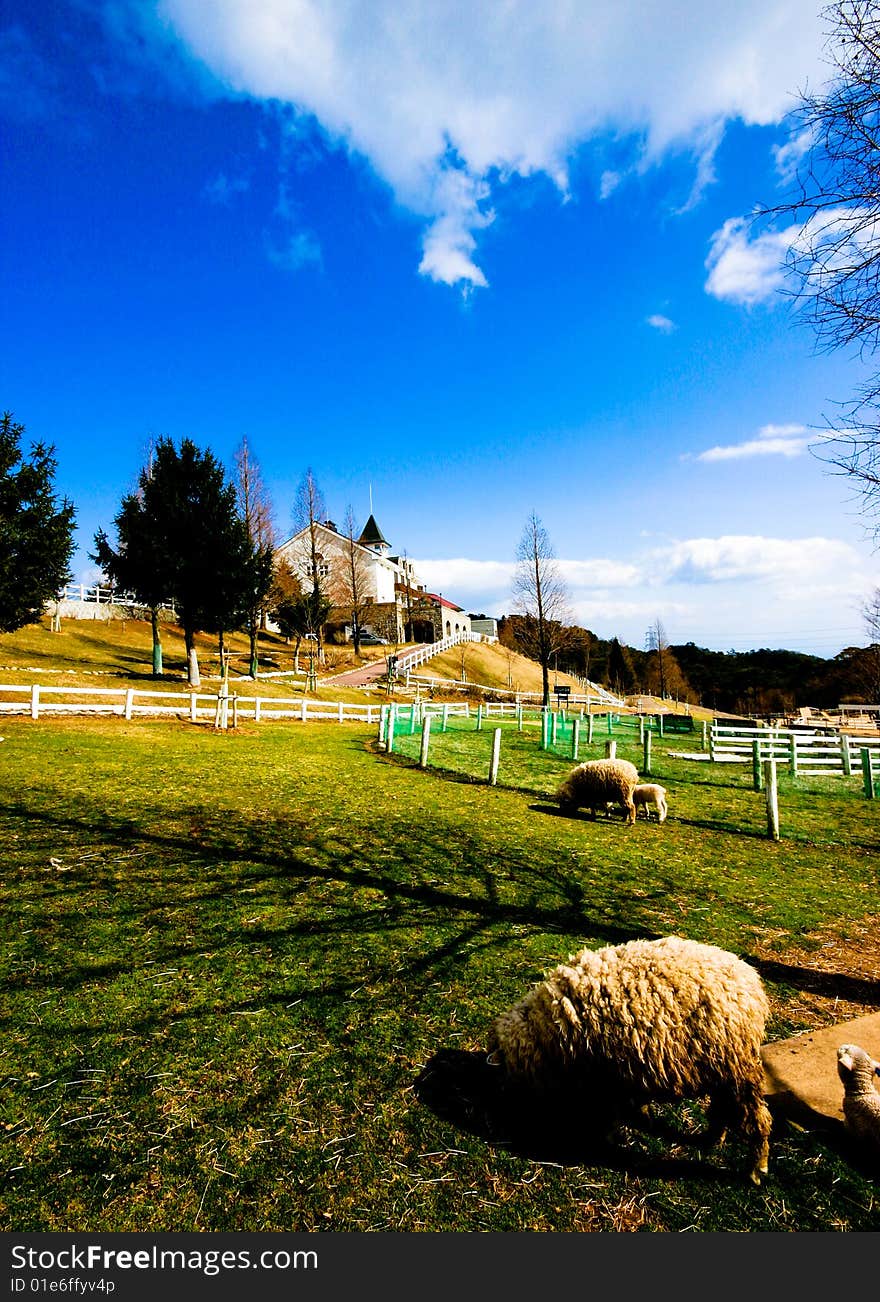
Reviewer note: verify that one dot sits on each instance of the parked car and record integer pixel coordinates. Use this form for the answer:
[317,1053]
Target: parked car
[372,639]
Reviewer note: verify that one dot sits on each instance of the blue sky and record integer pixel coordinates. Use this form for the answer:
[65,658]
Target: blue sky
[476,260]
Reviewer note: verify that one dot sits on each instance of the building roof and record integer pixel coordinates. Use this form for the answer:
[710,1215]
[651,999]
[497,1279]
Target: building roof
[441,601]
[372,534]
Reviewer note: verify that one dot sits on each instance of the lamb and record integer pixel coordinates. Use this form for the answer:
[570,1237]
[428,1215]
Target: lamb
[598,783]
[648,1020]
[651,794]
[861,1101]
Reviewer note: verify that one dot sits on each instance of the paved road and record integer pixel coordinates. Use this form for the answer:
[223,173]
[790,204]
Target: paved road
[363,675]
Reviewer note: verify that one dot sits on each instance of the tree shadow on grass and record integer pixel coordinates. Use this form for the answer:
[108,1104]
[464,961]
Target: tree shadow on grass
[460,1088]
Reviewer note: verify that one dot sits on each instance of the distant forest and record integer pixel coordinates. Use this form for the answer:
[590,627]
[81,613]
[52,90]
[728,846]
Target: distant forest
[761,682]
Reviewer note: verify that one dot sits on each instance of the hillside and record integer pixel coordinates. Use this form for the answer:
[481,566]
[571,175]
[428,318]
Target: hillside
[118,652]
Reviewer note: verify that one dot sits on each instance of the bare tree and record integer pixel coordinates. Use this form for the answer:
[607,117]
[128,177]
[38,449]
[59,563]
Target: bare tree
[869,660]
[309,512]
[664,670]
[255,509]
[353,581]
[541,598]
[833,231]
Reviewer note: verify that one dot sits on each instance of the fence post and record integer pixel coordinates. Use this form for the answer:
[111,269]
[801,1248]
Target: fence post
[392,720]
[129,698]
[610,718]
[589,729]
[646,765]
[304,710]
[413,716]
[575,737]
[193,707]
[35,702]
[496,753]
[772,799]
[545,729]
[256,709]
[793,758]
[713,739]
[445,717]
[703,741]
[610,749]
[519,718]
[868,772]
[426,740]
[479,718]
[235,709]
[340,712]
[845,756]
[554,725]
[660,724]
[641,730]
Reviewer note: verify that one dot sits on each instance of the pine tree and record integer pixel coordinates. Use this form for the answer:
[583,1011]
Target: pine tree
[36,530]
[180,534]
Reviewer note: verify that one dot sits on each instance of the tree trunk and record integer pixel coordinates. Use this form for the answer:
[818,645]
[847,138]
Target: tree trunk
[157,642]
[192,659]
[253,639]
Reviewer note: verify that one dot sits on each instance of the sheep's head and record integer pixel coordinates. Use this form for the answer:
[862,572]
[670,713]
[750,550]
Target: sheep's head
[853,1063]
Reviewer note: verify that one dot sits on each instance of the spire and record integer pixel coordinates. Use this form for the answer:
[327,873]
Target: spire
[371,535]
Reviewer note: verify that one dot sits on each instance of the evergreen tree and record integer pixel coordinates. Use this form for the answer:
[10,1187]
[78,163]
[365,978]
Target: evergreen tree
[181,535]
[36,530]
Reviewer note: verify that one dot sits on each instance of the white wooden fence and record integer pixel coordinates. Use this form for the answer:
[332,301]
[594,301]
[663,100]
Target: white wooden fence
[406,663]
[804,751]
[38,700]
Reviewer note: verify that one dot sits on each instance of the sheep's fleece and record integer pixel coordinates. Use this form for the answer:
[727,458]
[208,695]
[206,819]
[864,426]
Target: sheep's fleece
[861,1101]
[597,783]
[647,1020]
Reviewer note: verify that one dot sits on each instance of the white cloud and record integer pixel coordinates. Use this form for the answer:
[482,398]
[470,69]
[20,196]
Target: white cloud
[772,440]
[788,156]
[464,577]
[598,573]
[221,189]
[744,270]
[661,323]
[490,91]
[733,590]
[608,183]
[296,250]
[806,562]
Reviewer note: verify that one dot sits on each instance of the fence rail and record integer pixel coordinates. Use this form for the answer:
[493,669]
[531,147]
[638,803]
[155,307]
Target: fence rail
[805,751]
[38,700]
[408,662]
[103,595]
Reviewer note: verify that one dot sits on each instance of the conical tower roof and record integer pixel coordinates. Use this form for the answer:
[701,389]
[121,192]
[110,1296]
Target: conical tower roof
[371,535]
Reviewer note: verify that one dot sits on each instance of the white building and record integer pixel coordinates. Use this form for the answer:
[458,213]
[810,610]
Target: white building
[388,585]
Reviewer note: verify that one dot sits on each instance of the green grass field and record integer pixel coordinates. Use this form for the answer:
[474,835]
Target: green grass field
[247,974]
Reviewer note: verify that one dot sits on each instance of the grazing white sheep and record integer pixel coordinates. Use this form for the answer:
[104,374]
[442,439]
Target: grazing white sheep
[649,795]
[597,783]
[861,1101]
[658,1020]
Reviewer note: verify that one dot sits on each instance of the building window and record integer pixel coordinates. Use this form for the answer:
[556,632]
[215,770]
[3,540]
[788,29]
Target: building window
[321,568]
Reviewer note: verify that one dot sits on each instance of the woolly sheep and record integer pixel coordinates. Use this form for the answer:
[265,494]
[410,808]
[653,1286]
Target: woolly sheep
[650,794]
[597,783]
[660,1020]
[861,1101]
